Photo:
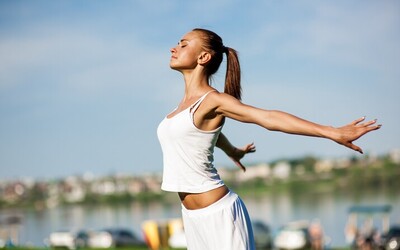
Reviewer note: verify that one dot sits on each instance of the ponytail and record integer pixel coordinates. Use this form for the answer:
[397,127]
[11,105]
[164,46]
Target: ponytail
[214,45]
[232,77]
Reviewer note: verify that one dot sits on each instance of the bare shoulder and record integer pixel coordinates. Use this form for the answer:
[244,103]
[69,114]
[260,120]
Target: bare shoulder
[222,104]
[216,101]
[228,106]
[219,99]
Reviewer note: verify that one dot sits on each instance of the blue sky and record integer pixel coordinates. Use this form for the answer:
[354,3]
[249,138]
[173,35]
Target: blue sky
[84,84]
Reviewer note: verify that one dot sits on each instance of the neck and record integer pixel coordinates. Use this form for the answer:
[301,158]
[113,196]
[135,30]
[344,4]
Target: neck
[195,82]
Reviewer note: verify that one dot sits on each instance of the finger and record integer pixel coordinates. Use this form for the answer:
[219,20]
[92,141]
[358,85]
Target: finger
[368,123]
[251,147]
[357,121]
[376,127]
[372,128]
[355,148]
[239,164]
[251,150]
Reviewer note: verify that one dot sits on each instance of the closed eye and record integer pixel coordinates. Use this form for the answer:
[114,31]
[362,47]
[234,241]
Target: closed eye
[182,43]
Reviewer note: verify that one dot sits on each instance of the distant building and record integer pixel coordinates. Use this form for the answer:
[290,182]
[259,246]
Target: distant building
[153,183]
[325,165]
[342,163]
[136,186]
[227,173]
[73,190]
[13,192]
[262,171]
[103,187]
[395,155]
[281,170]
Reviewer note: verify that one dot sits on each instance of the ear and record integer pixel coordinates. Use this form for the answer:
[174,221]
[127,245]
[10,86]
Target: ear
[204,58]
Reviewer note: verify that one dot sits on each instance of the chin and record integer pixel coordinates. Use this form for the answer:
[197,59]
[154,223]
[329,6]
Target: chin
[174,67]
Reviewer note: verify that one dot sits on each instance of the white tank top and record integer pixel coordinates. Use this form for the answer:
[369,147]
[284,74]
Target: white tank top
[188,153]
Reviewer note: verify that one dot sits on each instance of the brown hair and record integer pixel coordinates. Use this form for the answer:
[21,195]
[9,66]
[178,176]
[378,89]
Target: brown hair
[213,44]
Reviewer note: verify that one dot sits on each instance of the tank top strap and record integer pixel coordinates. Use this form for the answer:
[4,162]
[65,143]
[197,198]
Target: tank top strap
[196,105]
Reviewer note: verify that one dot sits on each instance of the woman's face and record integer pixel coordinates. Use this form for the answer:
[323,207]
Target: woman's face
[185,54]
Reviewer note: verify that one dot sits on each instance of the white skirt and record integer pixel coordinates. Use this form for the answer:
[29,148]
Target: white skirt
[224,225]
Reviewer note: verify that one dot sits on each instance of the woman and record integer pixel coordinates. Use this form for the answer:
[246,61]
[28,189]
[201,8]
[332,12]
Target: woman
[213,216]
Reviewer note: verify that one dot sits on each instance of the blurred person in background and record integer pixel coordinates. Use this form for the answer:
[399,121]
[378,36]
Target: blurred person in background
[316,235]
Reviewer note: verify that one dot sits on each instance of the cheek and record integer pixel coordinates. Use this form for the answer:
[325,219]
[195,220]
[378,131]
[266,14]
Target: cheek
[188,58]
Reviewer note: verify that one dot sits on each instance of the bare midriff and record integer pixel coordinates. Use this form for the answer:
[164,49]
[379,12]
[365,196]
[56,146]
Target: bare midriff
[201,200]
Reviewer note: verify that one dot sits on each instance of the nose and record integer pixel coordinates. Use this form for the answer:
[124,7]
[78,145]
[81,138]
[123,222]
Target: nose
[172,50]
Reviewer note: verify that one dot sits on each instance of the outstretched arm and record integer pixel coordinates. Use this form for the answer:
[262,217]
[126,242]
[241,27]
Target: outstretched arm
[280,121]
[236,154]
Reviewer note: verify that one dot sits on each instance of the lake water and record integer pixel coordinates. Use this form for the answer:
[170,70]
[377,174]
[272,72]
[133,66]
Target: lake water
[275,210]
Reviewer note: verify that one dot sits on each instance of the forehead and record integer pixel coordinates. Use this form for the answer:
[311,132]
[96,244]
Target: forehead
[190,36]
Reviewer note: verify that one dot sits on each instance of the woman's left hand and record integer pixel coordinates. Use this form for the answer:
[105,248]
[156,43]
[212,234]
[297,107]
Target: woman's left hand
[238,153]
[347,134]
